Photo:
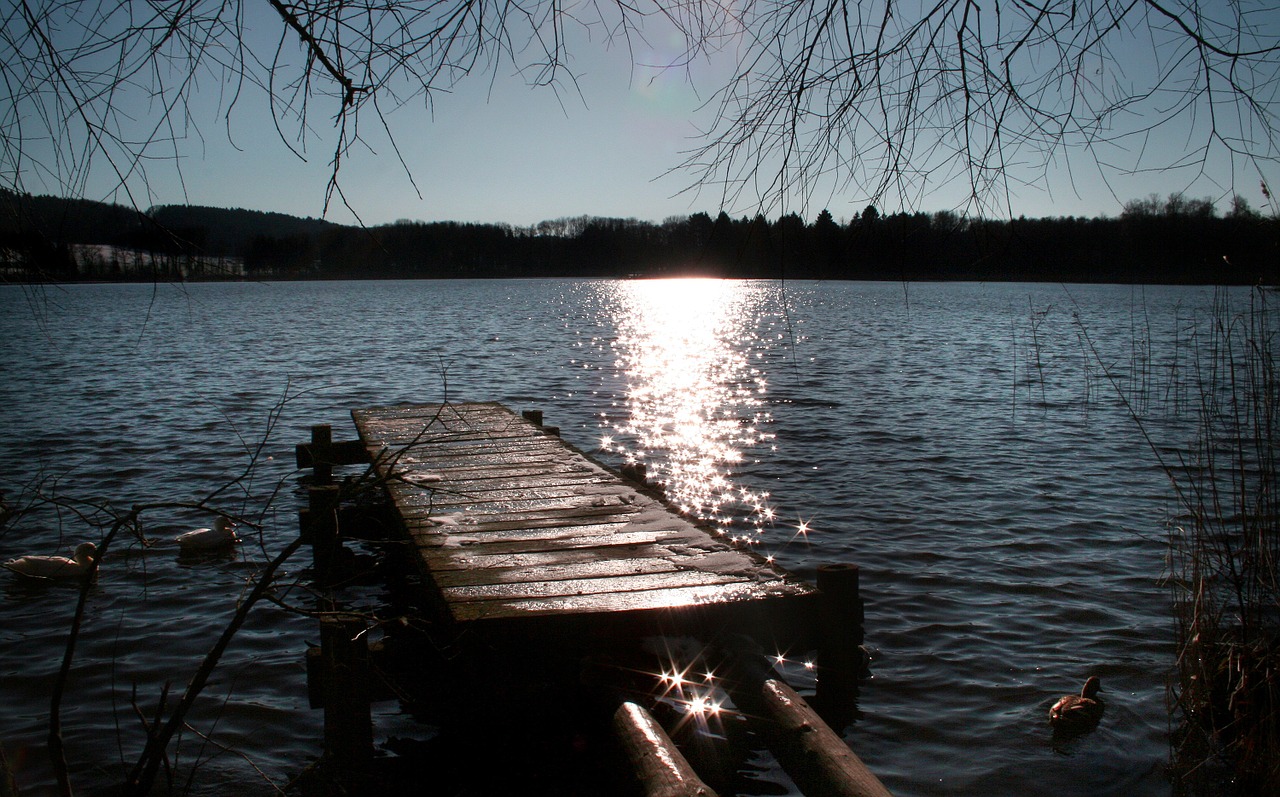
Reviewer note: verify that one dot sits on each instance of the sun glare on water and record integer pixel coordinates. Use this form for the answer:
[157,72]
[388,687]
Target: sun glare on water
[695,408]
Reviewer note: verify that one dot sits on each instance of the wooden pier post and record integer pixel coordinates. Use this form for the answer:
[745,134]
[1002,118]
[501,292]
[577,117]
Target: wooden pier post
[322,453]
[535,417]
[637,472]
[348,722]
[322,530]
[659,766]
[843,613]
[842,661]
[8,788]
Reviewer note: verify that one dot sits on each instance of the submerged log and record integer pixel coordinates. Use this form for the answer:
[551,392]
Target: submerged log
[659,766]
[814,755]
[817,759]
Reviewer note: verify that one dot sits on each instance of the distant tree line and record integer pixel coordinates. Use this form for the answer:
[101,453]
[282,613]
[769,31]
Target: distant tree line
[1155,240]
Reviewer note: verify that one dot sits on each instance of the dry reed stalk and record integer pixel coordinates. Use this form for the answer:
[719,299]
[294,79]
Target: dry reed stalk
[1225,696]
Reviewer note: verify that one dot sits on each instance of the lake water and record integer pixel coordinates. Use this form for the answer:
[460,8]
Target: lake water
[958,441]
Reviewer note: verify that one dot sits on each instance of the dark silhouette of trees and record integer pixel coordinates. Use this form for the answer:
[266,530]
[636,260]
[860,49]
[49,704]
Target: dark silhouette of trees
[1156,240]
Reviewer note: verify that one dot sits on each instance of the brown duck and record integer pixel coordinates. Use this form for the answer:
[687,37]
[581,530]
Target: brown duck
[1079,712]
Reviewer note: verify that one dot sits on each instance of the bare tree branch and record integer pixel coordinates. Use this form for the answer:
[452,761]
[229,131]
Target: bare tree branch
[899,98]
[144,772]
[888,98]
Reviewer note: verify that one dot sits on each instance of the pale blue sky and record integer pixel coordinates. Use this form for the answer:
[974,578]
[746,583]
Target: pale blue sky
[502,152]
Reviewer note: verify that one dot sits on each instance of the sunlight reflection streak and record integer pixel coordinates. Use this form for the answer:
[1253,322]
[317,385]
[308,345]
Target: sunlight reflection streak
[695,402]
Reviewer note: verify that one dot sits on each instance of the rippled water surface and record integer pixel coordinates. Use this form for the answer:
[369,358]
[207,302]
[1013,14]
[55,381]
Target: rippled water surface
[959,442]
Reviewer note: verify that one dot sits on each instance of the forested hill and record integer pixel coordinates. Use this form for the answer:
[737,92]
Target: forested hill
[1155,240]
[223,231]
[161,228]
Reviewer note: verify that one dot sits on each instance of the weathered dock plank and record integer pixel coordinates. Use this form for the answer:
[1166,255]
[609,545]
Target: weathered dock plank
[509,522]
[711,595]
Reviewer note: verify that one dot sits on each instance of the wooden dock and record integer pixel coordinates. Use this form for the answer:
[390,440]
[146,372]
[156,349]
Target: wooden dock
[513,526]
[544,572]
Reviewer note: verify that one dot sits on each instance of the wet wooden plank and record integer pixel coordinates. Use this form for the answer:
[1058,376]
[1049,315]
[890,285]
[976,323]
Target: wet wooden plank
[497,499]
[617,603]
[555,555]
[616,585]
[477,574]
[522,482]
[424,518]
[498,504]
[511,523]
[459,537]
[457,551]
[641,561]
[479,561]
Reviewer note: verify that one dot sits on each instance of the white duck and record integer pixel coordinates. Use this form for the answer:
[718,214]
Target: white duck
[54,566]
[222,535]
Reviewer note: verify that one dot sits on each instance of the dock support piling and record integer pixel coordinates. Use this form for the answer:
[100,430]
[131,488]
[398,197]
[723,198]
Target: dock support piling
[348,722]
[322,530]
[322,453]
[637,472]
[843,613]
[535,417]
[842,660]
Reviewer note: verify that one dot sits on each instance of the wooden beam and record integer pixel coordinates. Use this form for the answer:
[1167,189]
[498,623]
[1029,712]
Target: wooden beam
[343,452]
[321,454]
[659,766]
[814,755]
